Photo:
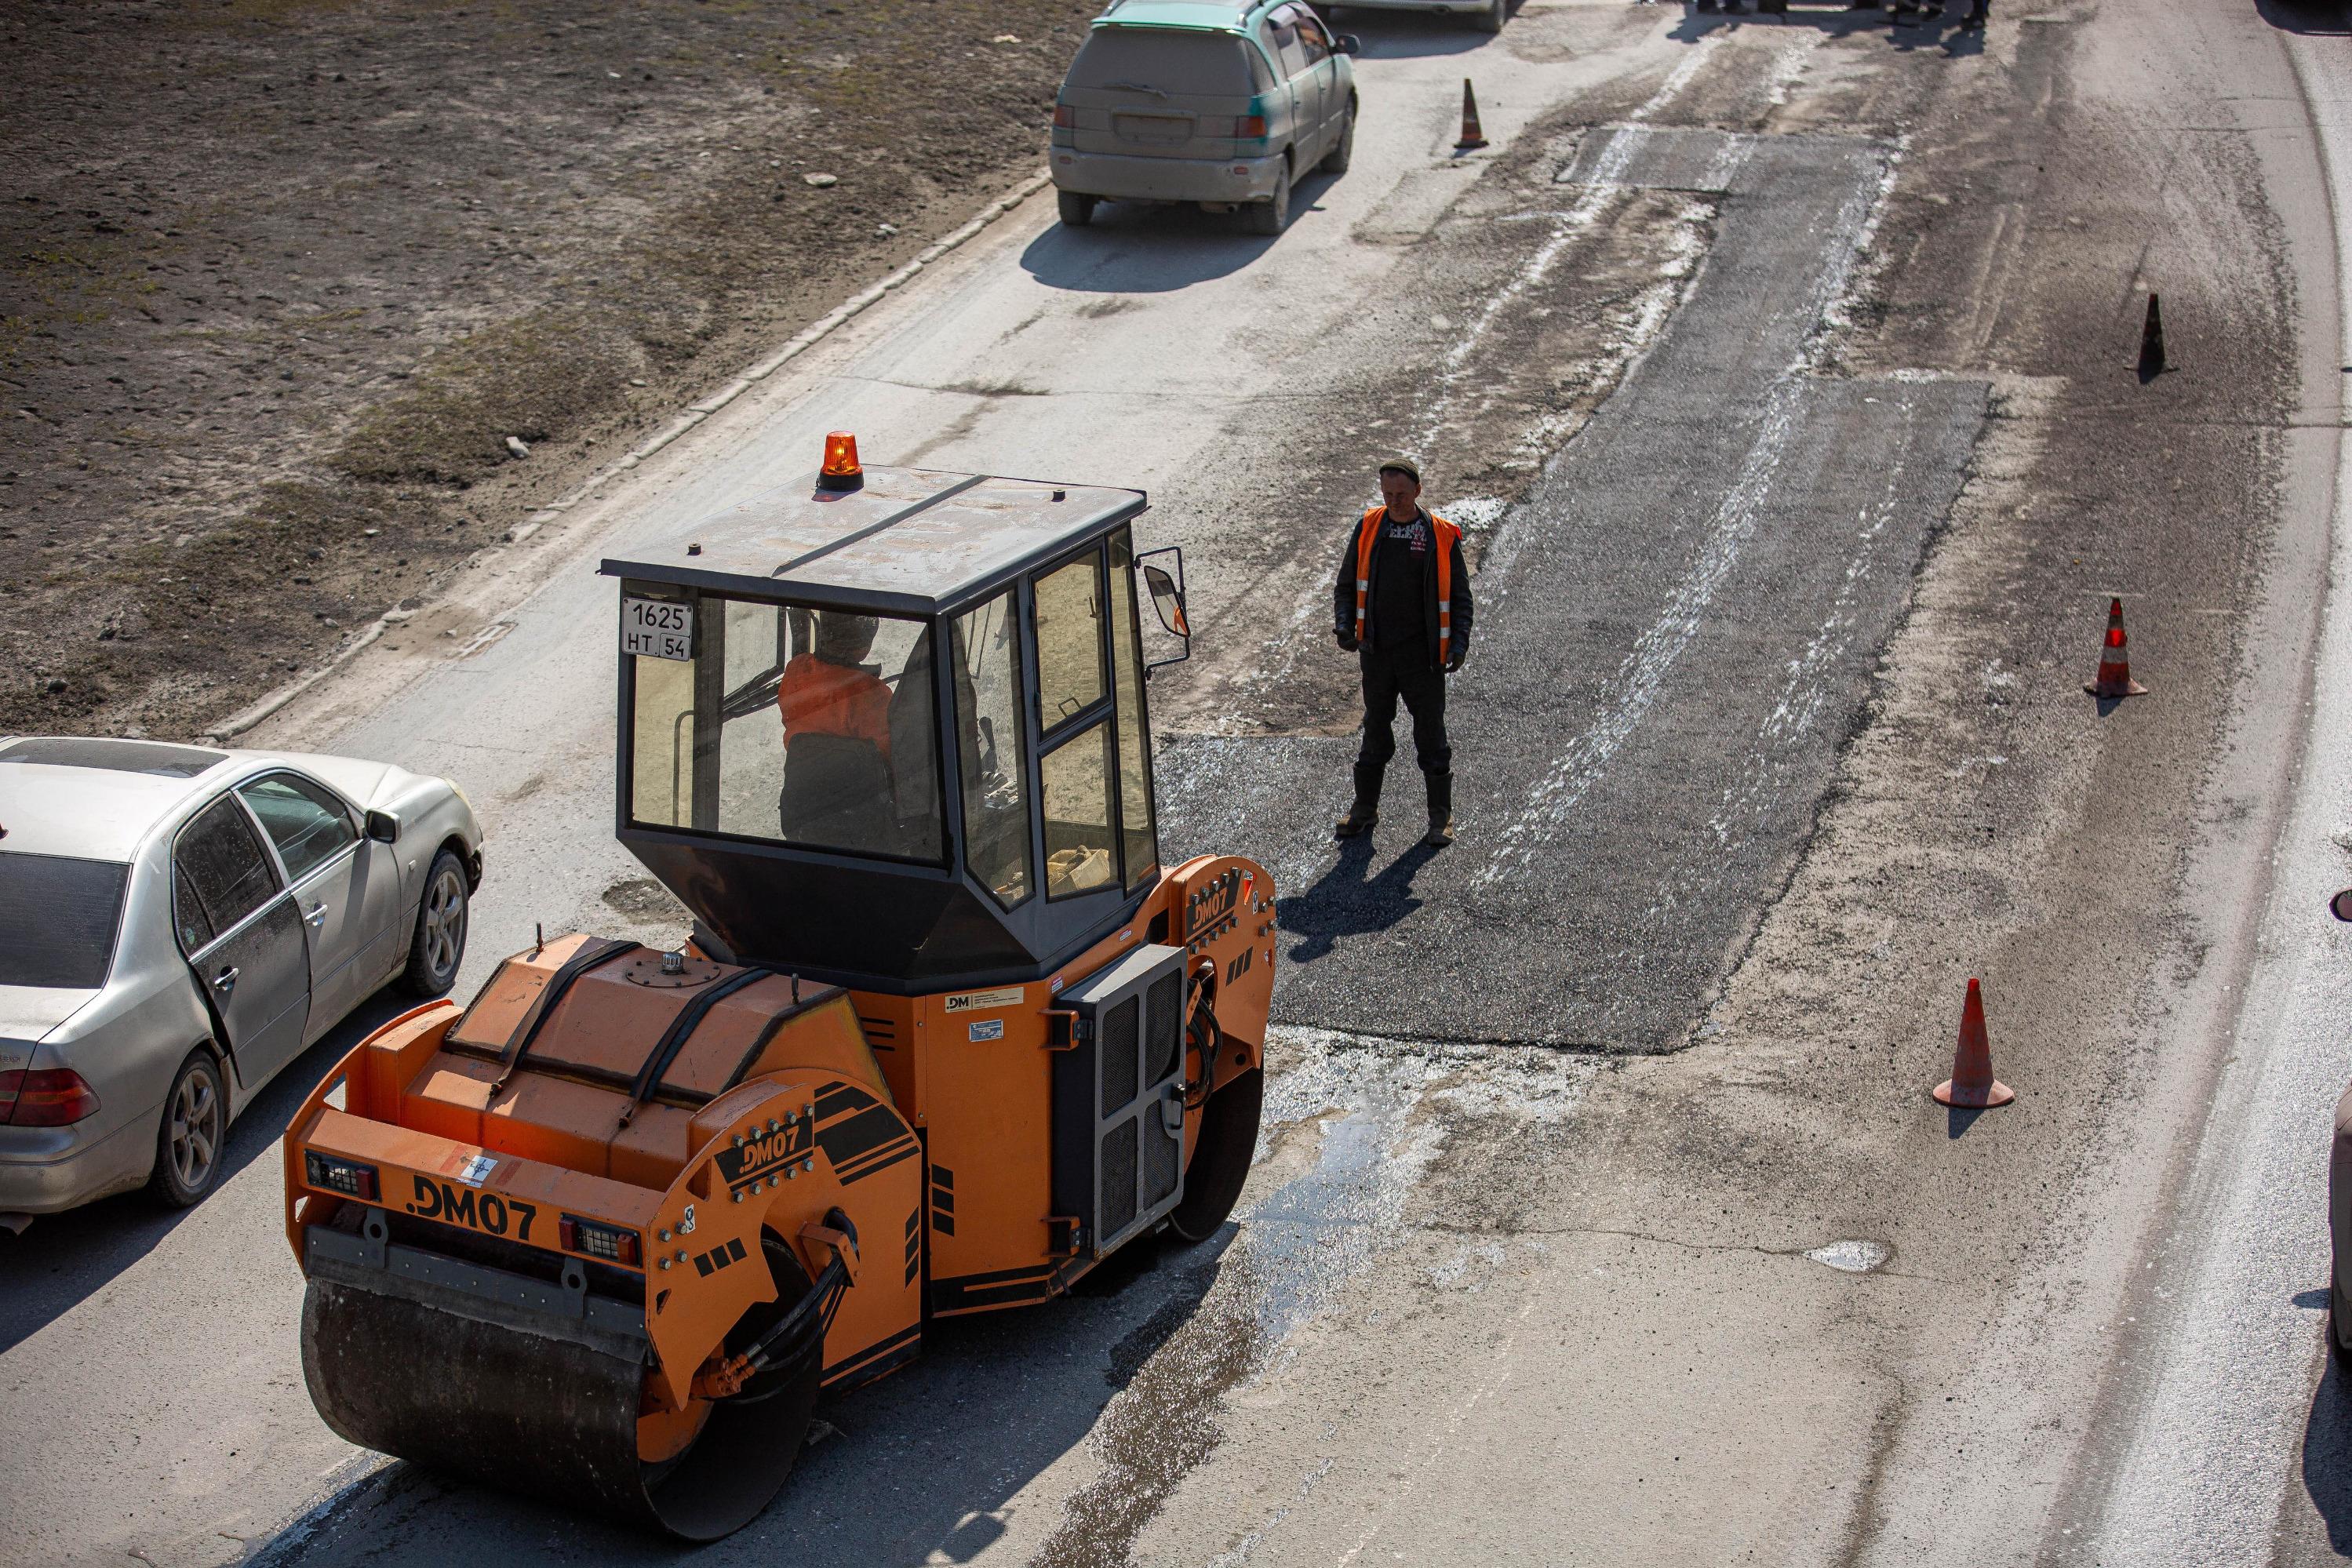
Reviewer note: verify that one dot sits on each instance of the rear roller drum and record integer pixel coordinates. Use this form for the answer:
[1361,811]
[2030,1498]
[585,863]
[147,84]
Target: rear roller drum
[569,1421]
[1221,1164]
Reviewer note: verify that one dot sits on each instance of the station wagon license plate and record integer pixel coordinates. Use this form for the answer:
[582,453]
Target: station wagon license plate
[657,628]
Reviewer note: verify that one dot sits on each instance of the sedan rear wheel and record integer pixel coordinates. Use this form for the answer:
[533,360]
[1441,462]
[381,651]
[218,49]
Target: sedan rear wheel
[188,1144]
[440,944]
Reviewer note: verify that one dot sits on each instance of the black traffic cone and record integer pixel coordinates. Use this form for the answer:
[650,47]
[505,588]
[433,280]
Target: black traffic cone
[2151,342]
[1472,137]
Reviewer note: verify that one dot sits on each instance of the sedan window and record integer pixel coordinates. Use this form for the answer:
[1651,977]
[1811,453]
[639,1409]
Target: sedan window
[58,918]
[309,825]
[225,861]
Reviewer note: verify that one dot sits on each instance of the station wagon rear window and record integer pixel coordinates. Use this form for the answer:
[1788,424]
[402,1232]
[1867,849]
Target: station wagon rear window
[1165,61]
[57,920]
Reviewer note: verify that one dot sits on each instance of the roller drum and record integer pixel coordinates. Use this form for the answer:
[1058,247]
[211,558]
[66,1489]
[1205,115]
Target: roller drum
[502,1405]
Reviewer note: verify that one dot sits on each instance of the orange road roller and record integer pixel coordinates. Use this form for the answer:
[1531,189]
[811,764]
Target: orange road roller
[946,1032]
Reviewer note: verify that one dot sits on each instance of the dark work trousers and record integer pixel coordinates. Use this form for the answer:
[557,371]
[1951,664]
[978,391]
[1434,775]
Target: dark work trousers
[1389,673]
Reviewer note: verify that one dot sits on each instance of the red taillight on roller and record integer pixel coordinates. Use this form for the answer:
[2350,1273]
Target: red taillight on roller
[591,1240]
[1065,116]
[45,1097]
[346,1177]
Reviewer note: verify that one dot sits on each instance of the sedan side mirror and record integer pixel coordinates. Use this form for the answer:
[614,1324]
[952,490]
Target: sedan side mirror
[2340,906]
[1347,43]
[383,827]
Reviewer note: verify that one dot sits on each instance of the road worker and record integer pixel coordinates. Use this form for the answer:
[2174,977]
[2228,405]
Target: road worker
[829,690]
[1401,604]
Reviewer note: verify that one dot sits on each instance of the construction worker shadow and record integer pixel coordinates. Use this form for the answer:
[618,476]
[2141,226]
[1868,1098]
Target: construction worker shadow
[2326,1460]
[916,1467]
[63,1258]
[1345,902]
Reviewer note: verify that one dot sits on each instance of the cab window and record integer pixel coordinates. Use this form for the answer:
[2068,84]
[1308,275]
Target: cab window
[1139,842]
[990,746]
[309,825]
[1068,622]
[790,723]
[1081,844]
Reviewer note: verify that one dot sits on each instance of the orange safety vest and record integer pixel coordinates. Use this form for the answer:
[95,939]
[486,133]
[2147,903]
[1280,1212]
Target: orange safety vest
[1444,536]
[818,698]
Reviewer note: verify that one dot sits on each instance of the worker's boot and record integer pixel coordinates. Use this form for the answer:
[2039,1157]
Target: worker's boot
[1367,809]
[1441,811]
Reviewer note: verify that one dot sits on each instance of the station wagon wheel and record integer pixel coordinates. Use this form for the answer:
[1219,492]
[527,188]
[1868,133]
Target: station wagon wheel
[195,1128]
[1492,18]
[1077,210]
[439,944]
[1271,217]
[1336,161]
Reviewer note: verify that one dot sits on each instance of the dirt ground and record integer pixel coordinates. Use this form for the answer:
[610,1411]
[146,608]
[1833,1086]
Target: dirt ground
[301,304]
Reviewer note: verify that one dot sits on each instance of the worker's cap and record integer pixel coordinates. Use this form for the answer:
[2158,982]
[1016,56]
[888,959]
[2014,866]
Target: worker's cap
[1404,465]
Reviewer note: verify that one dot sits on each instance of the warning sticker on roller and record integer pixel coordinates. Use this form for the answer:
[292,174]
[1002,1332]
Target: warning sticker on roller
[475,1171]
[981,1001]
[987,1028]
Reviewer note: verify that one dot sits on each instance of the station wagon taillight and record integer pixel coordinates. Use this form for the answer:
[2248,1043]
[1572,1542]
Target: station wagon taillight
[45,1097]
[1065,116]
[1248,127]
[591,1240]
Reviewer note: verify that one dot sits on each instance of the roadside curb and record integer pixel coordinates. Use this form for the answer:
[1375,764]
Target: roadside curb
[693,414]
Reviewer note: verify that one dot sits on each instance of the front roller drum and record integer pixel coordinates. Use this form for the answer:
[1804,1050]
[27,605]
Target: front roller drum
[556,1418]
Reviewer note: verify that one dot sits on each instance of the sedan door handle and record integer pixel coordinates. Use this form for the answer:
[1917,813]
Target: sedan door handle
[226,981]
[318,916]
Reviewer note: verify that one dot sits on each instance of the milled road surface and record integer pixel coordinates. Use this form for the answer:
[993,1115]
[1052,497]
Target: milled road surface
[1773,735]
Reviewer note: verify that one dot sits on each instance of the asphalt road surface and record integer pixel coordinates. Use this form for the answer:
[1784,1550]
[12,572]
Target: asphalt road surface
[1782,369]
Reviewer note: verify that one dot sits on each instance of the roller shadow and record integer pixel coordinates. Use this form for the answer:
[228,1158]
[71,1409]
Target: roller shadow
[915,1467]
[61,1260]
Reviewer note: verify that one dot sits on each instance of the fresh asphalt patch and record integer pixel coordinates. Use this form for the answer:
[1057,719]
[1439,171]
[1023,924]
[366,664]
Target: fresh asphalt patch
[1677,630]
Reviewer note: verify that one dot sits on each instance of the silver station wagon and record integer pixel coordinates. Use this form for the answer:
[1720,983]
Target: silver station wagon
[1219,102]
[177,924]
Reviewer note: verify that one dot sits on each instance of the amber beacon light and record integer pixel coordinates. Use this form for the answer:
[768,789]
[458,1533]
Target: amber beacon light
[841,471]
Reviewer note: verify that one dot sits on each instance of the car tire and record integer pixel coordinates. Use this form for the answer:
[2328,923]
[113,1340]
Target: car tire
[192,1137]
[1077,210]
[1273,216]
[1492,18]
[438,944]
[1343,151]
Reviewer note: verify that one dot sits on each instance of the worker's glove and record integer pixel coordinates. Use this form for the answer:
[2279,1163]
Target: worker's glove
[1347,640]
[1454,660]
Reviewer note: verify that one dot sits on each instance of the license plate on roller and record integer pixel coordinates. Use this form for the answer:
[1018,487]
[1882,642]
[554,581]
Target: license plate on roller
[657,628]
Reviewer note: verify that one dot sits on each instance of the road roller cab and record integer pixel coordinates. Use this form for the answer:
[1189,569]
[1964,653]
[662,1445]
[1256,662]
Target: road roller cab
[946,1032]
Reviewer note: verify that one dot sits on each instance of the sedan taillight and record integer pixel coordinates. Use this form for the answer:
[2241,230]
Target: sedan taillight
[45,1097]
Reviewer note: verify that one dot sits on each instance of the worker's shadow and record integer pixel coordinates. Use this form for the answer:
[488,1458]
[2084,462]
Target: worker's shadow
[2327,1438]
[1345,902]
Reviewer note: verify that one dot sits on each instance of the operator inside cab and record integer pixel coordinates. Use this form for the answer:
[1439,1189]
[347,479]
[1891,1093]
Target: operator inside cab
[840,787]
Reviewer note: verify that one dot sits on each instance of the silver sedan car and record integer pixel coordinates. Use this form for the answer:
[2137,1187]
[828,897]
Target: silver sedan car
[177,924]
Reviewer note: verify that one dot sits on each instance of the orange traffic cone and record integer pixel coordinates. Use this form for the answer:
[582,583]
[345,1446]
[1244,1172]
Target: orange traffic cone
[1472,137]
[2115,665]
[1972,1085]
